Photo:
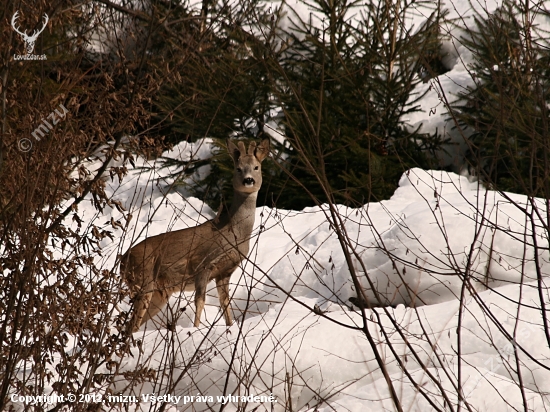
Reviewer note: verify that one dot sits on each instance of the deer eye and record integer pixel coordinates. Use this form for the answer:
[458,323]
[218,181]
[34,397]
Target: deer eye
[239,170]
[256,168]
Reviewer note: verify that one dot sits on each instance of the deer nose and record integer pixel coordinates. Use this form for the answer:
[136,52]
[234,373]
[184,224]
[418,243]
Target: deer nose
[248,181]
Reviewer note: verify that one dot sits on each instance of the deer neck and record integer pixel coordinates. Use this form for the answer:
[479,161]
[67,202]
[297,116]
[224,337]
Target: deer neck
[241,214]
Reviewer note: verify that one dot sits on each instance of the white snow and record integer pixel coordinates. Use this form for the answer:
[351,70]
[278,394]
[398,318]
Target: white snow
[416,248]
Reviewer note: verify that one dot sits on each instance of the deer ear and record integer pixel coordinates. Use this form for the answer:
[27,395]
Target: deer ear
[233,151]
[262,150]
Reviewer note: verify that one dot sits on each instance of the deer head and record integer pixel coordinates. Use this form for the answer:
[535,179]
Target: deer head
[29,40]
[247,177]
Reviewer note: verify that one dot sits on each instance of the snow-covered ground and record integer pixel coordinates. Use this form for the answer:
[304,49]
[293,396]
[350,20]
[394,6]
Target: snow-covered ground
[297,331]
[461,269]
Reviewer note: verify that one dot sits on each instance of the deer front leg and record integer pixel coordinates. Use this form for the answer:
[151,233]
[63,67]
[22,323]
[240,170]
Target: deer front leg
[222,284]
[221,267]
[201,281]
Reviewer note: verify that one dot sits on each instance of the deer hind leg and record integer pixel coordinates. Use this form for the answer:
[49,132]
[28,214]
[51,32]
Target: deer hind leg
[157,302]
[155,298]
[222,284]
[133,273]
[141,304]
[145,290]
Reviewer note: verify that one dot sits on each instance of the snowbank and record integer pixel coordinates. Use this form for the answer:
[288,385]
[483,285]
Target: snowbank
[298,332]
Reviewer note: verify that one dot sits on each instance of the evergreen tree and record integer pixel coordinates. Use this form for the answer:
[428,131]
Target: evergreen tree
[344,87]
[506,111]
[346,90]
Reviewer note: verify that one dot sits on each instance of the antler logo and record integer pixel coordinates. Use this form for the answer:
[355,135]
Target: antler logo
[29,40]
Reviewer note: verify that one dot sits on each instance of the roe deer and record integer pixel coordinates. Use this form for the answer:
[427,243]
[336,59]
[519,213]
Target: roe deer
[188,259]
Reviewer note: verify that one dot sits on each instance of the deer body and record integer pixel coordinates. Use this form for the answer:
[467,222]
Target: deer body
[190,258]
